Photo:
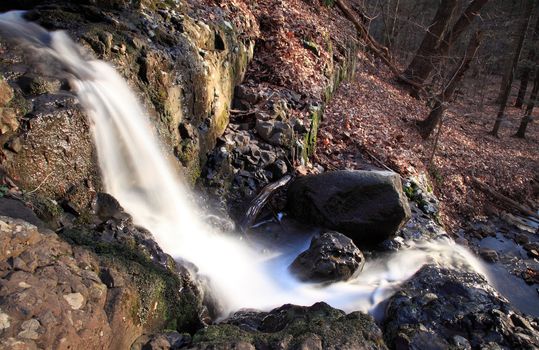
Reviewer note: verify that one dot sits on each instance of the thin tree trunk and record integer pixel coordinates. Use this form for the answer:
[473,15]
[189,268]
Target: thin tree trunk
[525,78]
[421,66]
[428,125]
[464,21]
[527,118]
[508,82]
[444,44]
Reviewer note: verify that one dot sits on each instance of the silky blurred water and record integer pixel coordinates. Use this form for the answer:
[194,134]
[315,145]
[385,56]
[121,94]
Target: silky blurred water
[136,171]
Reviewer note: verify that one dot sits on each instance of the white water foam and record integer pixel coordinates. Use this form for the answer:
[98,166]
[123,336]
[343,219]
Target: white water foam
[136,172]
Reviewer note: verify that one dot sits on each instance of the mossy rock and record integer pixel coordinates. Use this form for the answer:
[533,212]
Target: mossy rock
[312,136]
[294,327]
[161,297]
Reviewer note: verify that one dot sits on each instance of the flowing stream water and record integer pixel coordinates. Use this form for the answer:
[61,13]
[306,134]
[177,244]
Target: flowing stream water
[136,171]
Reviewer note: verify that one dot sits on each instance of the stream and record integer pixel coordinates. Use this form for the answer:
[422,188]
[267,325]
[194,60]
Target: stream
[243,273]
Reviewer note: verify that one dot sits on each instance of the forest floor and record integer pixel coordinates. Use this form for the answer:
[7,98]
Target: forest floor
[373,120]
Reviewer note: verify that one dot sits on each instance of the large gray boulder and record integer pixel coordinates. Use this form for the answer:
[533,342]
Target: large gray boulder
[331,257]
[367,206]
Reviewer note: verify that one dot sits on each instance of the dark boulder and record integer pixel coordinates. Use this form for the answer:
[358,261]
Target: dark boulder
[331,257]
[293,327]
[367,206]
[18,210]
[448,309]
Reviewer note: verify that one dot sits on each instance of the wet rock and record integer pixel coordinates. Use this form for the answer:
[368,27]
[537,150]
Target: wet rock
[331,257]
[531,276]
[107,207]
[162,341]
[533,249]
[416,191]
[489,255]
[522,238]
[279,168]
[465,306]
[293,327]
[367,206]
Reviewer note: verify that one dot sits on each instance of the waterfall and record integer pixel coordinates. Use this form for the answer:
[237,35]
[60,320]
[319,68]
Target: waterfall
[136,171]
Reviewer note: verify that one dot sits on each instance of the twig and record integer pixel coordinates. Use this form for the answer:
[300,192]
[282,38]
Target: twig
[41,184]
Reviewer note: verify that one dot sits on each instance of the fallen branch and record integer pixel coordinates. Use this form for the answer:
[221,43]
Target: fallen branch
[506,200]
[260,202]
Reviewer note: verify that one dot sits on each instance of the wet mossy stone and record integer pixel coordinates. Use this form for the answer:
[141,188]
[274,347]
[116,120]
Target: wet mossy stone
[293,327]
[437,304]
[331,257]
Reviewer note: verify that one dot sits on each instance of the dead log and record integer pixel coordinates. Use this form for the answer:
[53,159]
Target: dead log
[504,199]
[260,201]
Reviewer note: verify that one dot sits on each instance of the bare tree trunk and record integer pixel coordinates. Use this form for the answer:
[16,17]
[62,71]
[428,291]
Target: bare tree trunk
[525,78]
[421,66]
[428,125]
[527,118]
[464,21]
[432,57]
[508,82]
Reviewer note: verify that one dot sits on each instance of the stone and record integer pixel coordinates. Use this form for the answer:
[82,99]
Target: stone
[522,238]
[29,329]
[15,145]
[461,343]
[33,85]
[279,169]
[275,132]
[107,207]
[248,95]
[162,341]
[4,321]
[489,255]
[292,327]
[331,257]
[466,305]
[367,206]
[75,300]
[17,209]
[6,93]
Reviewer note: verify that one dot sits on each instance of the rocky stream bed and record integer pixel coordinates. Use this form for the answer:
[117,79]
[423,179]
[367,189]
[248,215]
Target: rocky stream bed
[77,272]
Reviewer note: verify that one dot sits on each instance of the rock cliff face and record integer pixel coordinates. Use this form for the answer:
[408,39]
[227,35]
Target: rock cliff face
[183,61]
[102,295]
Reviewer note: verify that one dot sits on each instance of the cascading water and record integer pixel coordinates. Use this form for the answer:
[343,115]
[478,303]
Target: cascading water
[136,172]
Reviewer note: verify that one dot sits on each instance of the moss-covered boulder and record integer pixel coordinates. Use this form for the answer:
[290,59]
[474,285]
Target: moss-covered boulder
[293,327]
[97,286]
